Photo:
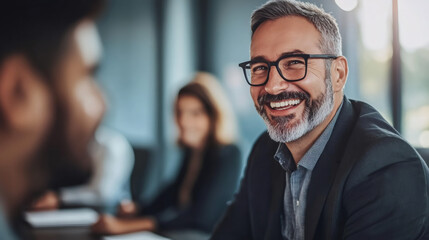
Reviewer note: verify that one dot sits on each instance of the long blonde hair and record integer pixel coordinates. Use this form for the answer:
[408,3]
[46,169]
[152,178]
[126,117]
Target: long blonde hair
[207,89]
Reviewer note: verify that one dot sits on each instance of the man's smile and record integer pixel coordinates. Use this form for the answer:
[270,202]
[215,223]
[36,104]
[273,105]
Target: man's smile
[285,104]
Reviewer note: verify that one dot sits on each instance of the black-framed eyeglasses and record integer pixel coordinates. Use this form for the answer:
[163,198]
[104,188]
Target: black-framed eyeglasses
[291,67]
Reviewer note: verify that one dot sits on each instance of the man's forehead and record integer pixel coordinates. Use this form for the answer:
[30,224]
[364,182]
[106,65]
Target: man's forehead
[88,42]
[287,34]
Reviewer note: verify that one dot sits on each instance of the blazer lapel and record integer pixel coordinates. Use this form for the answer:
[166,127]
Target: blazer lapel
[325,170]
[274,228]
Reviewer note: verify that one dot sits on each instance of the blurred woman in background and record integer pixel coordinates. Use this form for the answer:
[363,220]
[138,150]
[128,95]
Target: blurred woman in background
[209,172]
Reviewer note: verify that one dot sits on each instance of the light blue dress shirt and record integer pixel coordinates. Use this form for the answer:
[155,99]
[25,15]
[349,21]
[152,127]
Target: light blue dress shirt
[297,180]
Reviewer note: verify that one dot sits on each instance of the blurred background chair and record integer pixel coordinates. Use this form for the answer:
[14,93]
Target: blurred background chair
[141,175]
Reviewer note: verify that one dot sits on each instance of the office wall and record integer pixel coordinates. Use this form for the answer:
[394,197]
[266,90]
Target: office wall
[128,69]
[148,55]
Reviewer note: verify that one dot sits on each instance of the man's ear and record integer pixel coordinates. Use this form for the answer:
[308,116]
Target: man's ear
[339,72]
[23,94]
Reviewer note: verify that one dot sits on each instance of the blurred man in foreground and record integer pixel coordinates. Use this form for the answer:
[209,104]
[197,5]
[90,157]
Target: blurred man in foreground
[50,105]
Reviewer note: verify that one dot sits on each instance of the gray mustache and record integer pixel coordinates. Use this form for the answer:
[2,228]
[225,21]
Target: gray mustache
[267,98]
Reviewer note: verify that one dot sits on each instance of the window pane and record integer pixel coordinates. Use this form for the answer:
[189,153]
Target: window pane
[414,38]
[375,49]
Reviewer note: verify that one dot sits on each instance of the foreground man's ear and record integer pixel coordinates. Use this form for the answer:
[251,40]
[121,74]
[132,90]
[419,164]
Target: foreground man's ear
[339,72]
[24,96]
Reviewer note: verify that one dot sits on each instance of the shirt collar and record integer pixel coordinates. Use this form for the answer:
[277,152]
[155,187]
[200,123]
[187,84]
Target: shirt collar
[284,157]
[310,158]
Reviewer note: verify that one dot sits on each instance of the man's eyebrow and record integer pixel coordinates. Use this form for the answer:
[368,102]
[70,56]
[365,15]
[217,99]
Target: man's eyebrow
[258,58]
[262,58]
[296,51]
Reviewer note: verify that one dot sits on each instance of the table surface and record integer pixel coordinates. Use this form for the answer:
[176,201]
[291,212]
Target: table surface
[63,233]
[84,233]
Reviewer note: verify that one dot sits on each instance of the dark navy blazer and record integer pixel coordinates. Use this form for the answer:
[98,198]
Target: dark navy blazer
[369,183]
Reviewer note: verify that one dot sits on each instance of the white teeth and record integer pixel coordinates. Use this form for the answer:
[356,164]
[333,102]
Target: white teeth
[284,103]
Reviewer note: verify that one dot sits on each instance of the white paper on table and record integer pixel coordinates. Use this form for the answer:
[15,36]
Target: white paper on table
[136,236]
[62,218]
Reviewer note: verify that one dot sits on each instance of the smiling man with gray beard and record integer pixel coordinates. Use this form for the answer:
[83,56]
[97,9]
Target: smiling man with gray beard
[328,167]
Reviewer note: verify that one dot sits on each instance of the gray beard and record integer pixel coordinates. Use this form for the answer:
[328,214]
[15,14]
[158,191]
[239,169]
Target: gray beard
[315,113]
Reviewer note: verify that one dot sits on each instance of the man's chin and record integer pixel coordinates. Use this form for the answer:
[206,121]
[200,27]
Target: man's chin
[286,129]
[287,121]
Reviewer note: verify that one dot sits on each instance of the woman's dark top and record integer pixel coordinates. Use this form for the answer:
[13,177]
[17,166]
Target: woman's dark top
[213,188]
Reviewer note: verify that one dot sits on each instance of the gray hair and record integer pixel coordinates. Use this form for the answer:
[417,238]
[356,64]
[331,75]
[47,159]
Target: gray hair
[330,42]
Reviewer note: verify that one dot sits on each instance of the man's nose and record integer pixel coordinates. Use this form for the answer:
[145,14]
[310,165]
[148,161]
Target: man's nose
[275,84]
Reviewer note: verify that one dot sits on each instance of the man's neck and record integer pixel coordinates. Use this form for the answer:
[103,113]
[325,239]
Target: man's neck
[299,147]
[14,174]
[12,189]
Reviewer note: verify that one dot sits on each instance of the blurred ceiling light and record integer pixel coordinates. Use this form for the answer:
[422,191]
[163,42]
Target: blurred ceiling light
[347,5]
[413,19]
[376,25]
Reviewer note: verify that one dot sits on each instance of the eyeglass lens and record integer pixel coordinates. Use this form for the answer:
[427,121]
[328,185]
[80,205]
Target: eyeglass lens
[292,68]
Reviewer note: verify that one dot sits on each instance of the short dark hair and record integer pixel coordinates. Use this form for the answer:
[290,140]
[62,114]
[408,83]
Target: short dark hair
[324,22]
[38,29]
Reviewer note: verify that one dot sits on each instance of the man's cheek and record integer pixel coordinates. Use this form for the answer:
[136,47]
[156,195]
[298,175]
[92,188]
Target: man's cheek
[89,99]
